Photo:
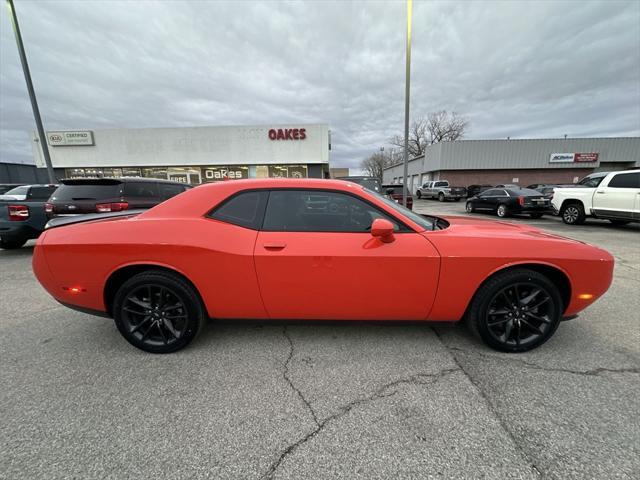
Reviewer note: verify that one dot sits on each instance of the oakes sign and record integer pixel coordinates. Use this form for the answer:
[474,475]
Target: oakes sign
[67,139]
[573,157]
[287,134]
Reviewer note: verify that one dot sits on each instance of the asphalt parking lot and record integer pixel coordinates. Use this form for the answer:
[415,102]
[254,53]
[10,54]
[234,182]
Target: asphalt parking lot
[301,400]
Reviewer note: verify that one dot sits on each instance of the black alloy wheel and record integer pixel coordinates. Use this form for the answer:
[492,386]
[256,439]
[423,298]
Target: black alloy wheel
[158,312]
[516,311]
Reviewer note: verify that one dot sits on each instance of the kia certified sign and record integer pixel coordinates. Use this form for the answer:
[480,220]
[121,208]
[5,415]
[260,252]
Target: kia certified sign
[67,138]
[287,134]
[573,157]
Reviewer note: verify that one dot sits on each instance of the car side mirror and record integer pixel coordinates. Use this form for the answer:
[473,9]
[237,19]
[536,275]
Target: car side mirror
[383,229]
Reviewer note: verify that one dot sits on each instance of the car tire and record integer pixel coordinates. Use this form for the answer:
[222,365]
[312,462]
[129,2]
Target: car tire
[502,211]
[536,215]
[515,311]
[469,207]
[418,194]
[441,197]
[618,222]
[12,244]
[158,312]
[573,214]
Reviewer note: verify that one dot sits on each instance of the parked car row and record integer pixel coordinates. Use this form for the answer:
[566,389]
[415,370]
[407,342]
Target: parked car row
[614,196]
[26,209]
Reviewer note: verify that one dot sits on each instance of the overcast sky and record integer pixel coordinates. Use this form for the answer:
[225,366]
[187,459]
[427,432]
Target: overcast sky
[524,70]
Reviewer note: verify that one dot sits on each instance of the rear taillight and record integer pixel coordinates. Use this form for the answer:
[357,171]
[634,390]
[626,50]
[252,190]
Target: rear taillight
[111,207]
[18,212]
[48,207]
[521,201]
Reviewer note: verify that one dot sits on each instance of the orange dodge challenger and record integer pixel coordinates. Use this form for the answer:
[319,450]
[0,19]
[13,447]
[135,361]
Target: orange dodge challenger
[313,249]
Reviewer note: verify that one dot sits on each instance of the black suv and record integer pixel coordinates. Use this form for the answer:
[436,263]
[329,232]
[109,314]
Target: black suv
[101,195]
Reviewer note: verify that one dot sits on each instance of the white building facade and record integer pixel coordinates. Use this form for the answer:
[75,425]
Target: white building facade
[192,154]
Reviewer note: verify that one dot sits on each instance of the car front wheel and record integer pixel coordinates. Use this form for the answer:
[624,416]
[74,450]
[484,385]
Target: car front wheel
[573,214]
[515,311]
[158,312]
[418,194]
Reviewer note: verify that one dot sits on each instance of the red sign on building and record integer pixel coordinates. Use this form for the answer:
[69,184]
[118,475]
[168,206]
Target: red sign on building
[288,134]
[586,157]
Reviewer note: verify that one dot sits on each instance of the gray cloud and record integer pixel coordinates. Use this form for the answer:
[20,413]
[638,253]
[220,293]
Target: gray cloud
[518,69]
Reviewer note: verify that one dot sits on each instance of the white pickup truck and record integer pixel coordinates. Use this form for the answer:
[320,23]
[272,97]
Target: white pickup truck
[614,196]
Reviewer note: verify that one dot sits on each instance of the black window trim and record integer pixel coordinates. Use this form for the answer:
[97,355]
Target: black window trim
[209,215]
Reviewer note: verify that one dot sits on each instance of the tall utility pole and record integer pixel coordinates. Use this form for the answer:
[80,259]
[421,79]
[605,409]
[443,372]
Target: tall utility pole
[407,88]
[32,94]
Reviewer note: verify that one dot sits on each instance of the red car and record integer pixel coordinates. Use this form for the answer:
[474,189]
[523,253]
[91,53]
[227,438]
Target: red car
[313,249]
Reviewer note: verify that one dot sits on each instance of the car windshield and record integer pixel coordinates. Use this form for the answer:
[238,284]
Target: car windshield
[23,190]
[425,221]
[591,182]
[66,193]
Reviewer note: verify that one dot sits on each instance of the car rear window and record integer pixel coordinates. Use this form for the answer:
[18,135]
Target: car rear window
[625,180]
[66,193]
[168,190]
[41,193]
[23,190]
[245,209]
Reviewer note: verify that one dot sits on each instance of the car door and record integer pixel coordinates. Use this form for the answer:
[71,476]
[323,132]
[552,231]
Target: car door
[487,199]
[315,259]
[619,197]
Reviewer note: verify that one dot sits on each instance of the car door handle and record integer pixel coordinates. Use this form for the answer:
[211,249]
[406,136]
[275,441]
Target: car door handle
[274,246]
[599,191]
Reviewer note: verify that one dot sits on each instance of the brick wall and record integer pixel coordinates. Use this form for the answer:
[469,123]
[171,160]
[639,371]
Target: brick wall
[525,177]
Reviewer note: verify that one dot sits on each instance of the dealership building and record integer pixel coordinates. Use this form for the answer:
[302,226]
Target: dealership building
[523,162]
[191,155]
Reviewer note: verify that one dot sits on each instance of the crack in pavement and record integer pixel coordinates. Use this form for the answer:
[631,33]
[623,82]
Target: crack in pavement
[382,392]
[285,374]
[588,373]
[492,408]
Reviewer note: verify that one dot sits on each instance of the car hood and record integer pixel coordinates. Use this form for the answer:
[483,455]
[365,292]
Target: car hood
[475,227]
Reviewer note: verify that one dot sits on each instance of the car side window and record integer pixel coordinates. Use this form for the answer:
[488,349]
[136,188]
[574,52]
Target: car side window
[320,211]
[168,190]
[140,189]
[489,193]
[625,180]
[245,209]
[40,193]
[591,182]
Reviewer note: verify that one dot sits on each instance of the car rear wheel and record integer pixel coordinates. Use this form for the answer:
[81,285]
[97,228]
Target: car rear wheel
[573,214]
[536,215]
[158,312]
[502,211]
[12,244]
[441,197]
[469,207]
[516,311]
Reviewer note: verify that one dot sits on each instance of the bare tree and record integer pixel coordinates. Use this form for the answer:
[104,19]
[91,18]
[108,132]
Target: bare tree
[437,127]
[375,164]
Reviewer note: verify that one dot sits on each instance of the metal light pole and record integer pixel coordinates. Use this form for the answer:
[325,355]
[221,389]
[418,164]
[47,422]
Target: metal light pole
[407,89]
[32,94]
